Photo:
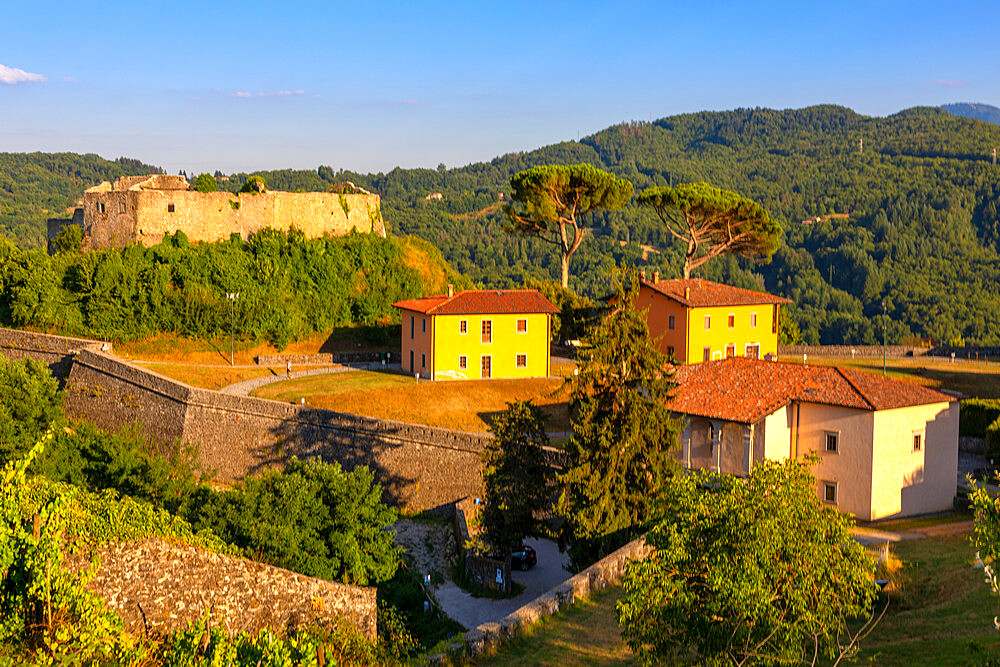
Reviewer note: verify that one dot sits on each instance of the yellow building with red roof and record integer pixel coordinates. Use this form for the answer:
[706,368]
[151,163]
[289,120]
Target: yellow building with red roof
[886,448]
[477,334]
[697,320]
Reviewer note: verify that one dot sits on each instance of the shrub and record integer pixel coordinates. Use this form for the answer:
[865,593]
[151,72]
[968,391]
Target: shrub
[205,183]
[976,416]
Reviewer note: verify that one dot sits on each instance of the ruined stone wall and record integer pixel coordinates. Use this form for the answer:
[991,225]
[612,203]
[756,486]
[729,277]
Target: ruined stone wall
[55,351]
[158,586]
[116,218]
[420,467]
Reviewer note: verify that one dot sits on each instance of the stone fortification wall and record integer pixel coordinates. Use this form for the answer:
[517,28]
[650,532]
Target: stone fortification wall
[327,358]
[134,213]
[158,587]
[420,467]
[56,351]
[114,395]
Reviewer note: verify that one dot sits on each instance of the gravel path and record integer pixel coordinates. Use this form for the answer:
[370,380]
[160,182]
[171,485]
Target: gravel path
[245,387]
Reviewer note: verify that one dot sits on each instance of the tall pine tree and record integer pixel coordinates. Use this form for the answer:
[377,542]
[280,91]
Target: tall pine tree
[623,432]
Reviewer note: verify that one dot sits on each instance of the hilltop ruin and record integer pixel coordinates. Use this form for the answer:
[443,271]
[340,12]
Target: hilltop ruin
[141,209]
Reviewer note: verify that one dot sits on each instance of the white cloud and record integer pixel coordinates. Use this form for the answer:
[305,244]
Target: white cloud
[13,75]
[949,83]
[276,93]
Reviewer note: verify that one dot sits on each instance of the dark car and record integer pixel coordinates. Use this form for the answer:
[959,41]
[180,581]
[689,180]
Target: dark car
[522,557]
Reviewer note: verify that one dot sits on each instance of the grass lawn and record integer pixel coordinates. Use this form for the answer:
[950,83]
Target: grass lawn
[462,405]
[978,379]
[213,376]
[586,634]
[943,605]
[913,523]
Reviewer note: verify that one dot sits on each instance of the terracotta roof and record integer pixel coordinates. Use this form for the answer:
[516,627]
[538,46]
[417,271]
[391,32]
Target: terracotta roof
[695,293]
[745,390]
[484,302]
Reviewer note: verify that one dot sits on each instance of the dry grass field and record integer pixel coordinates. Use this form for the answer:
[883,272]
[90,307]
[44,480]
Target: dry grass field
[978,379]
[461,405]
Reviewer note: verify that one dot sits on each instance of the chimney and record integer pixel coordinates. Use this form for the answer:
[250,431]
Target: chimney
[687,292]
[642,274]
[451,290]
[656,276]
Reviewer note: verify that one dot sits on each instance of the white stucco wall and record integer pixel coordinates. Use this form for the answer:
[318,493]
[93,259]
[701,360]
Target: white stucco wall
[778,434]
[851,466]
[906,482]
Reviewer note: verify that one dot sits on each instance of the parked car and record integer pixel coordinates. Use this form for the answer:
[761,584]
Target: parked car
[522,557]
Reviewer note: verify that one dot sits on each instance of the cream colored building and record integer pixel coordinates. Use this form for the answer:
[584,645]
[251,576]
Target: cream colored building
[886,448]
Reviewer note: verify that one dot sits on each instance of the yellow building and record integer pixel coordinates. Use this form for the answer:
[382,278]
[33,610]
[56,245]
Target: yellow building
[699,320]
[477,334]
[885,448]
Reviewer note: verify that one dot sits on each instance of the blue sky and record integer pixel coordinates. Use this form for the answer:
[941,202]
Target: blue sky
[370,86]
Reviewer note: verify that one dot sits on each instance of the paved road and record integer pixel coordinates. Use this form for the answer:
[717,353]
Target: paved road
[546,575]
[245,387]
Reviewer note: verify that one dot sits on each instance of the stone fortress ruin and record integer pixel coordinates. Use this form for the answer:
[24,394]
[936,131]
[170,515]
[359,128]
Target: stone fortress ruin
[141,209]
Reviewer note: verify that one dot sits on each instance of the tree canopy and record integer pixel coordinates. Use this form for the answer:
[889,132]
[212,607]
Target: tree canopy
[515,476]
[623,433]
[710,222]
[748,572]
[205,183]
[551,198]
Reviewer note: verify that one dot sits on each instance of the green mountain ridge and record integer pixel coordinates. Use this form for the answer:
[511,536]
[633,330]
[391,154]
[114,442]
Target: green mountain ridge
[915,194]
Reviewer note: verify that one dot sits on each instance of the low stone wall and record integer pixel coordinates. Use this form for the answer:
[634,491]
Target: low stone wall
[420,467]
[158,587]
[849,351]
[978,353]
[328,358]
[56,351]
[608,570]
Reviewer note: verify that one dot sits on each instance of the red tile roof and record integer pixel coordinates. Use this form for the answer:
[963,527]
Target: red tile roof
[695,293]
[481,302]
[745,390]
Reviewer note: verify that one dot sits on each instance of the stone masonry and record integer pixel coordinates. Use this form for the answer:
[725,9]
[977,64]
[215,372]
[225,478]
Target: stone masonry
[158,586]
[420,467]
[141,209]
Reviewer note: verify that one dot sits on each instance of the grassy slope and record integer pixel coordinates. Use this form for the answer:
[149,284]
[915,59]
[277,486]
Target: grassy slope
[944,605]
[587,634]
[461,405]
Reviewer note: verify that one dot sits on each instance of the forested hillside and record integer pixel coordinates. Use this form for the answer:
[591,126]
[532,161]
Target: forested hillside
[909,216]
[37,186]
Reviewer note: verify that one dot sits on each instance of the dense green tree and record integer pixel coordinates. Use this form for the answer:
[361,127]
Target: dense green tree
[986,535]
[30,402]
[254,184]
[312,517]
[550,199]
[68,239]
[516,477]
[710,222]
[205,183]
[623,433]
[748,572]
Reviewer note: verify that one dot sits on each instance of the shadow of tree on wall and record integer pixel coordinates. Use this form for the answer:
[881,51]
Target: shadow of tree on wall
[337,438]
